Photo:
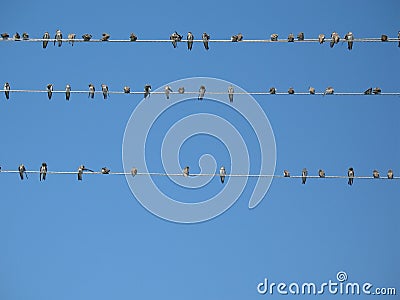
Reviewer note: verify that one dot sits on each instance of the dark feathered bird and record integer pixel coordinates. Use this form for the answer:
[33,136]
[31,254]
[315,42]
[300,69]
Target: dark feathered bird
[43,171]
[350,175]
[321,38]
[300,36]
[304,174]
[167,91]
[46,37]
[133,172]
[290,37]
[205,37]
[368,91]
[105,170]
[286,173]
[86,37]
[7,90]
[133,37]
[71,38]
[58,37]
[237,37]
[202,91]
[147,90]
[104,89]
[67,92]
[25,36]
[22,171]
[17,37]
[231,91]
[311,90]
[105,37]
[222,174]
[349,38]
[390,174]
[190,39]
[377,90]
[272,90]
[186,171]
[127,89]
[290,91]
[49,90]
[5,36]
[274,37]
[375,173]
[384,38]
[181,90]
[175,38]
[321,173]
[335,38]
[91,90]
[329,91]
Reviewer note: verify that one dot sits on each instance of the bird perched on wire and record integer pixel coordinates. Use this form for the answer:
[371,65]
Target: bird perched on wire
[290,37]
[377,90]
[300,36]
[329,91]
[274,37]
[46,37]
[175,38]
[321,38]
[49,90]
[231,91]
[286,173]
[290,91]
[375,173]
[58,37]
[5,36]
[186,171]
[105,170]
[81,169]
[25,36]
[390,174]
[7,90]
[202,91]
[86,37]
[368,91]
[105,37]
[17,37]
[190,38]
[91,91]
[22,171]
[304,174]
[398,36]
[335,38]
[71,38]
[222,174]
[272,90]
[181,90]
[311,90]
[67,92]
[133,37]
[205,37]
[147,90]
[321,173]
[133,172]
[43,171]
[237,37]
[167,91]
[127,89]
[104,89]
[350,175]
[384,38]
[349,38]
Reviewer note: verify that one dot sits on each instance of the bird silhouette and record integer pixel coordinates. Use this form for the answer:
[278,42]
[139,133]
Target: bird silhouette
[49,90]
[350,175]
[230,93]
[304,174]
[222,174]
[43,172]
[46,37]
[190,39]
[67,92]
[202,91]
[186,171]
[205,37]
[7,90]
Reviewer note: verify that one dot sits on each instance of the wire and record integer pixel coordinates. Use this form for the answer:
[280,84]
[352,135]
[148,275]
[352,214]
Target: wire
[194,175]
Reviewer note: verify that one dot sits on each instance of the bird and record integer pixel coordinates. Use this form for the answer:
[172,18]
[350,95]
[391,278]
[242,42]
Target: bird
[398,36]
[300,36]
[127,89]
[349,38]
[167,91]
[49,90]
[202,91]
[71,38]
[67,91]
[147,90]
[7,90]
[286,173]
[91,91]
[105,37]
[133,172]
[133,37]
[46,37]
[335,38]
[272,90]
[222,174]
[291,91]
[390,174]
[17,37]
[186,171]
[237,37]
[104,89]
[86,37]
[190,39]
[274,37]
[368,91]
[25,36]
[105,170]
[5,36]
[181,90]
[329,91]
[205,38]
[81,168]
[175,38]
[43,172]
[321,38]
[22,170]
[350,174]
[58,37]
[377,90]
[384,38]
[311,90]
[375,173]
[230,93]
[321,173]
[304,174]
[290,37]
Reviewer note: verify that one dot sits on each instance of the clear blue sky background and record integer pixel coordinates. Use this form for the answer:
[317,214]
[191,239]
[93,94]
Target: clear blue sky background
[65,239]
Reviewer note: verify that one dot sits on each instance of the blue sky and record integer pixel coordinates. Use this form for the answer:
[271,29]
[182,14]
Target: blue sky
[64,239]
